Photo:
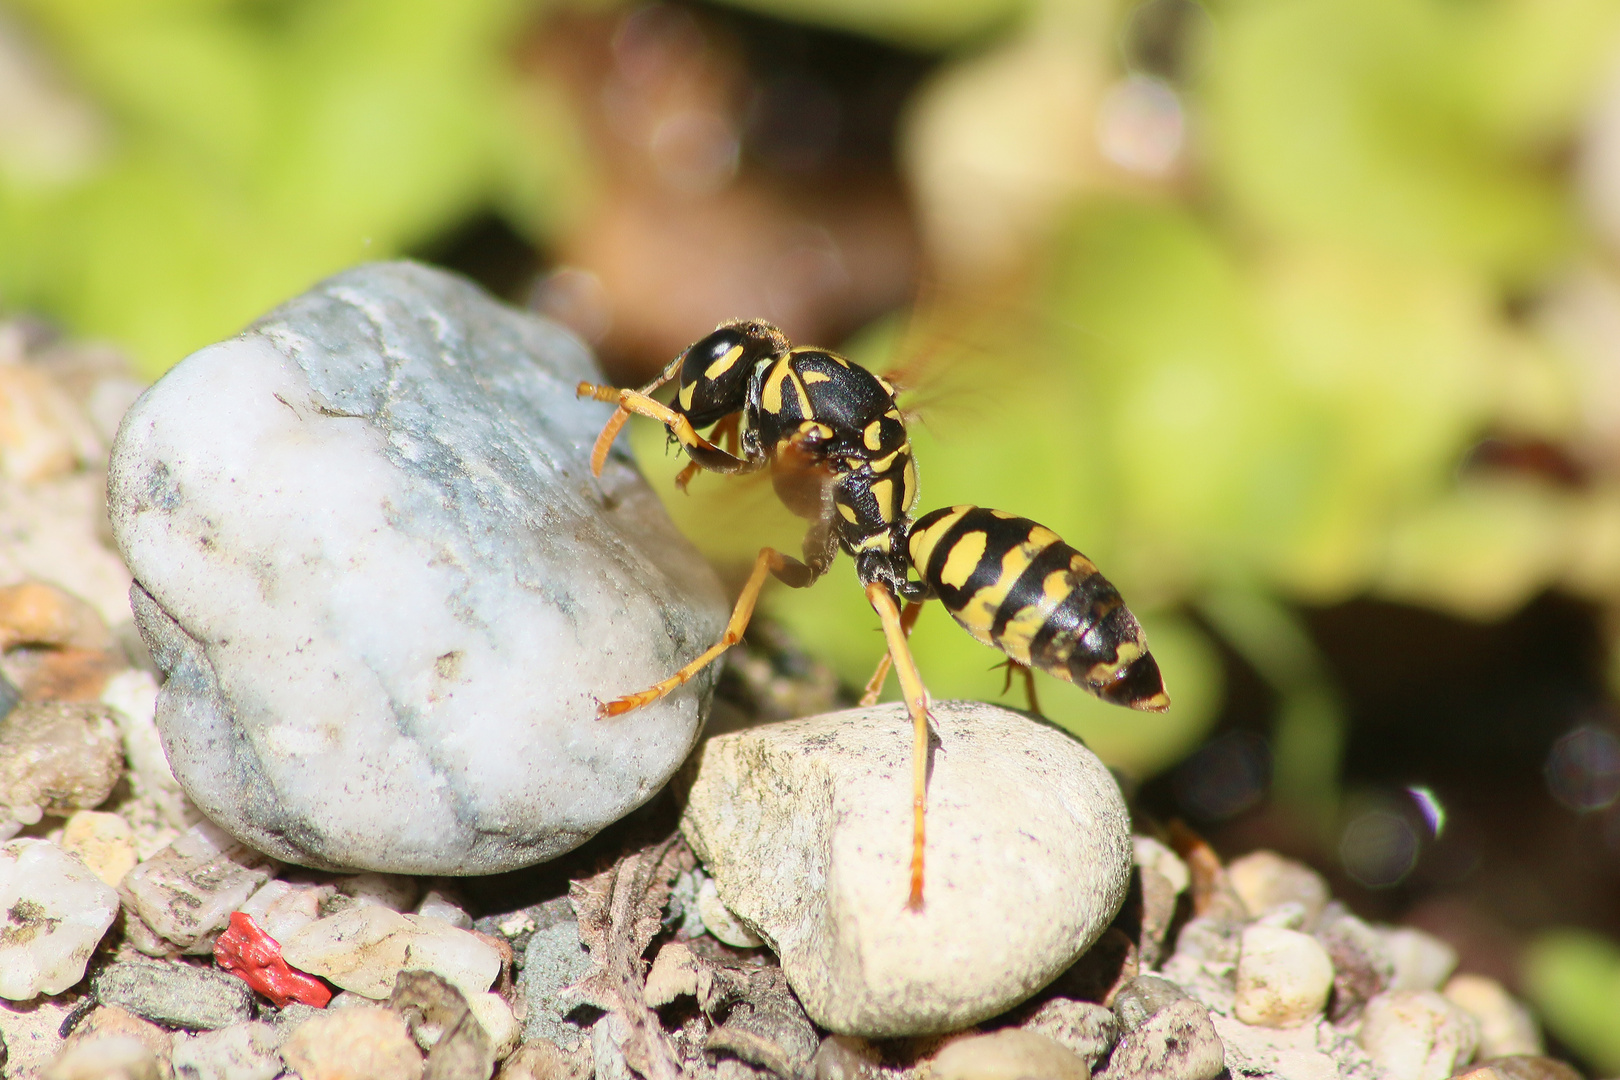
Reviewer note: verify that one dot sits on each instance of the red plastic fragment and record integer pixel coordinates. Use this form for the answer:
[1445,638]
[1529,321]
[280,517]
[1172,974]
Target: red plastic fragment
[255,957]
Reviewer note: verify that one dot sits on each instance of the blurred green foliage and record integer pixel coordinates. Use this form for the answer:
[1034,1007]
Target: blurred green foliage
[224,154]
[1573,977]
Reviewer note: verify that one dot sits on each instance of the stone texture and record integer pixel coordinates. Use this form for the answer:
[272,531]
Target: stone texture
[1421,960]
[174,993]
[185,893]
[1305,1052]
[1283,978]
[104,842]
[1506,1027]
[281,908]
[1264,879]
[1520,1067]
[553,959]
[31,1032]
[1088,1029]
[1178,1042]
[545,1060]
[55,759]
[1007,1055]
[457,1046]
[244,1051]
[721,921]
[1417,1035]
[353,1043]
[117,1057]
[394,664]
[495,1016]
[364,948]
[1363,966]
[55,913]
[806,829]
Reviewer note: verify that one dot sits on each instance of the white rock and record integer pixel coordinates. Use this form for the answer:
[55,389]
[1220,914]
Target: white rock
[806,829]
[363,948]
[440,905]
[244,1051]
[1264,879]
[104,842]
[387,591]
[56,758]
[351,1044]
[721,921]
[1417,1035]
[280,908]
[32,1032]
[393,891]
[133,696]
[1506,1027]
[116,1057]
[1154,855]
[1283,977]
[495,1016]
[56,911]
[186,892]
[1297,1053]
[1008,1054]
[1422,961]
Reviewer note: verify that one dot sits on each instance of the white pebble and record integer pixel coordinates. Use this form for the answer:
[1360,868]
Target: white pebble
[363,948]
[1150,854]
[396,892]
[188,890]
[1506,1027]
[1422,961]
[245,1051]
[1264,879]
[56,911]
[282,908]
[1417,1035]
[437,905]
[719,920]
[1283,977]
[494,1015]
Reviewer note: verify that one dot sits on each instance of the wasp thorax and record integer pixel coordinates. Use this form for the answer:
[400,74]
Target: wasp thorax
[715,370]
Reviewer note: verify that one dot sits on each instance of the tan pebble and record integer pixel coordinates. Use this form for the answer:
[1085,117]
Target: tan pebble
[1007,1055]
[1520,1067]
[543,1059]
[117,1057]
[1283,978]
[1264,879]
[57,758]
[495,1016]
[110,1021]
[1417,1035]
[354,1044]
[35,613]
[31,1031]
[1506,1028]
[43,434]
[104,841]
[673,974]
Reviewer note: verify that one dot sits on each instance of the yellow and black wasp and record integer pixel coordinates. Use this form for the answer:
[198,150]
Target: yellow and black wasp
[836,444]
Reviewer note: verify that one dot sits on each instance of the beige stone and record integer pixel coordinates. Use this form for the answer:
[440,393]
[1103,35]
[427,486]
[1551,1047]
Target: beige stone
[104,841]
[1007,1055]
[353,1044]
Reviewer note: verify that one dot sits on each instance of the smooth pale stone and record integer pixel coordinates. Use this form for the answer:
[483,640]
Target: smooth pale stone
[387,591]
[105,842]
[240,1052]
[133,696]
[1417,1035]
[185,893]
[720,921]
[1307,1052]
[437,904]
[353,1043]
[1264,879]
[363,948]
[1176,1043]
[495,1016]
[281,908]
[1152,855]
[117,1057]
[55,913]
[393,891]
[1421,960]
[1283,977]
[806,829]
[1506,1028]
[1009,1054]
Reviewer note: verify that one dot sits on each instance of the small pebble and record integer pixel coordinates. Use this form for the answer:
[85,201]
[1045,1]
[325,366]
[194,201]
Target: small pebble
[133,697]
[1178,1042]
[1264,879]
[280,907]
[56,912]
[110,1021]
[116,1057]
[1520,1067]
[1363,966]
[1152,855]
[673,974]
[441,905]
[495,1016]
[721,921]
[457,1046]
[542,1059]
[1088,1029]
[1009,1054]
[1417,1035]
[174,993]
[245,1051]
[1283,977]
[1142,997]
[31,1032]
[396,892]
[1306,1052]
[185,893]
[57,758]
[350,1044]
[105,843]
[844,1057]
[1506,1028]
[364,947]
[553,960]
[1422,961]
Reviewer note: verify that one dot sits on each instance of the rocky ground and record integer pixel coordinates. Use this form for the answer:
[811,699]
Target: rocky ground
[142,941]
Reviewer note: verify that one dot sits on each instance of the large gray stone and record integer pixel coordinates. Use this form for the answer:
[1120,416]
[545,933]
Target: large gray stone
[806,828]
[387,591]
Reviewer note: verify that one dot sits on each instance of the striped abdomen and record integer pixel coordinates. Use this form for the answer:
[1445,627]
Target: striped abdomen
[1015,585]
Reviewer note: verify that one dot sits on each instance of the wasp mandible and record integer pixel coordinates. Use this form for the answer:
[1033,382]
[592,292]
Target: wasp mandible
[836,444]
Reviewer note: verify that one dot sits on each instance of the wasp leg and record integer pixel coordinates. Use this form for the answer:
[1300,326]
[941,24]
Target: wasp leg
[708,455]
[790,570]
[725,436]
[874,685]
[882,601]
[1029,683]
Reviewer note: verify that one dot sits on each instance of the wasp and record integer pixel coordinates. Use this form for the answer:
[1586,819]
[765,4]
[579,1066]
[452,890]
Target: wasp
[839,455]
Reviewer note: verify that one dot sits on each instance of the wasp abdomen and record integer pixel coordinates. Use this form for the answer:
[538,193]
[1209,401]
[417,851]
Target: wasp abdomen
[1015,585]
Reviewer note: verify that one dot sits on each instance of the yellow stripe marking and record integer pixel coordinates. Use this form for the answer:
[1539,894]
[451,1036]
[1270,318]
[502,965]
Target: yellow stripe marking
[881,465]
[883,492]
[963,558]
[723,365]
[686,395]
[978,615]
[770,399]
[813,377]
[1021,630]
[847,513]
[908,481]
[923,541]
[875,542]
[873,436]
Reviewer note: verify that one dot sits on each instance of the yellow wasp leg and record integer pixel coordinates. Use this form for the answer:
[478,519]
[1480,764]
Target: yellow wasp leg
[769,561]
[634,401]
[874,685]
[882,601]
